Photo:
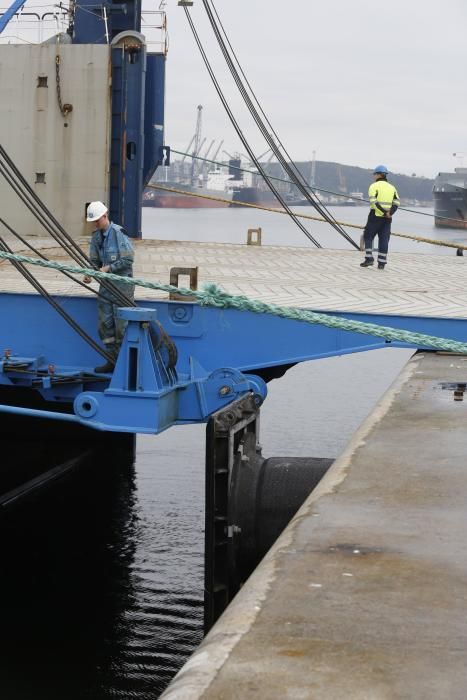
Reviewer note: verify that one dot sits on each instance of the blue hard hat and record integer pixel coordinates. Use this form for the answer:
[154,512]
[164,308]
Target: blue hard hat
[380,169]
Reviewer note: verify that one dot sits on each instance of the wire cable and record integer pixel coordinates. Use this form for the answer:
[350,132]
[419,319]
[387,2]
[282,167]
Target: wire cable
[297,180]
[44,257]
[43,292]
[299,175]
[267,135]
[27,195]
[37,207]
[240,133]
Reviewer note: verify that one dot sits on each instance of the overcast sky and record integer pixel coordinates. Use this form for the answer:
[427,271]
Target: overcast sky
[359,82]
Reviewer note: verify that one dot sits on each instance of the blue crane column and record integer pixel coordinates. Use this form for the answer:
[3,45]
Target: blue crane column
[137,97]
[127,138]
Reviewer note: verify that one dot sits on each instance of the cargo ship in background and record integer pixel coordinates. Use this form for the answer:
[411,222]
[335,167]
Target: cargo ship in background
[212,192]
[227,185]
[262,198]
[450,199]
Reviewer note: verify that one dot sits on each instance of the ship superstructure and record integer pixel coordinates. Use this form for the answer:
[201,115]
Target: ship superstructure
[223,185]
[212,191]
[84,115]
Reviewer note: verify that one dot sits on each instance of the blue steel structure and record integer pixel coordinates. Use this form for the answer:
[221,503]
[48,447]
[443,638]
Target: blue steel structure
[143,395]
[55,379]
[127,138]
[137,93]
[223,355]
[11,11]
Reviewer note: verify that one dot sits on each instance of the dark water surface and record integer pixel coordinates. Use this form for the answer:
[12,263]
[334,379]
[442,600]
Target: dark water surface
[101,580]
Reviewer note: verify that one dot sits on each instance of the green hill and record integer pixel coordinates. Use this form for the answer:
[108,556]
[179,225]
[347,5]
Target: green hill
[344,179]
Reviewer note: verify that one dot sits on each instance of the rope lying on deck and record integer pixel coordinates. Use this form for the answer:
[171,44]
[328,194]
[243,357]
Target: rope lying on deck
[212,295]
[276,210]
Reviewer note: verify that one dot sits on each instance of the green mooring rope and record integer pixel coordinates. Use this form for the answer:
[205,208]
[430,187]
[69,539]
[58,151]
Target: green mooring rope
[212,295]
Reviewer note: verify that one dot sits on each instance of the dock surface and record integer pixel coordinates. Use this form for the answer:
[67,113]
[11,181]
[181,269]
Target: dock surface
[415,285]
[364,595]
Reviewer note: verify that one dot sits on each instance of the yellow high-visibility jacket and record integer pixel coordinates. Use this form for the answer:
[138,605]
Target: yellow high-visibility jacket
[383,193]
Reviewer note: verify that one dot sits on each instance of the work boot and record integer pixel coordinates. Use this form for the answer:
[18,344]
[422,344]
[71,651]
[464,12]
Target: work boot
[108,368]
[381,266]
[367,262]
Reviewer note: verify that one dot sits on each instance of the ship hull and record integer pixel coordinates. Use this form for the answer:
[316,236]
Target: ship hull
[260,198]
[184,202]
[450,209]
[189,199]
[450,199]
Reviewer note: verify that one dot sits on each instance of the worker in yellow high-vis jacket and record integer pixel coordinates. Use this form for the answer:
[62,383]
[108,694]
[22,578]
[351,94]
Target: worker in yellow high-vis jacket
[384,202]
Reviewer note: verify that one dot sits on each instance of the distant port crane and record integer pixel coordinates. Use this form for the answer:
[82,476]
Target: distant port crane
[197,142]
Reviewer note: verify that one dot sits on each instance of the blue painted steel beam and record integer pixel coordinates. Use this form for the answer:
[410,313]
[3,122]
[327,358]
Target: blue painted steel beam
[218,349]
[38,413]
[12,10]
[144,394]
[248,341]
[216,337]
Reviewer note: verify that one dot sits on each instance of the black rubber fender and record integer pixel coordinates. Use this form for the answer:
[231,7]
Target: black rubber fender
[265,495]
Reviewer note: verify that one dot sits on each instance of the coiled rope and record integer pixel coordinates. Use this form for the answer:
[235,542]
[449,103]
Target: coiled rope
[214,296]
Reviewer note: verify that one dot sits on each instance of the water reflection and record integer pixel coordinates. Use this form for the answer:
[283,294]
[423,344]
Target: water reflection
[87,604]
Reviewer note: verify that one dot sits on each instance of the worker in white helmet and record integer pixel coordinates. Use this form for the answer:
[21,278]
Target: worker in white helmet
[110,251]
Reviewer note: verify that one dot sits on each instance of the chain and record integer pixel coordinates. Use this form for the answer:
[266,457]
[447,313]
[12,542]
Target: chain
[66,108]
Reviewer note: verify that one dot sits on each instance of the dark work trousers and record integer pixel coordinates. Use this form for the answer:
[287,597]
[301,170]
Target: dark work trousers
[377,226]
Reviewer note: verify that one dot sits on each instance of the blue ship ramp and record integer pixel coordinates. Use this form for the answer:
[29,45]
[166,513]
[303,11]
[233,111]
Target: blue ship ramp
[280,306]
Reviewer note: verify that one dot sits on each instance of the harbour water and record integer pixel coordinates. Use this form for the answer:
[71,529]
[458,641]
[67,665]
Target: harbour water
[101,581]
[231,226]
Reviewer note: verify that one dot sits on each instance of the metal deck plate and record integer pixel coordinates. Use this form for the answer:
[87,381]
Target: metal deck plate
[413,285]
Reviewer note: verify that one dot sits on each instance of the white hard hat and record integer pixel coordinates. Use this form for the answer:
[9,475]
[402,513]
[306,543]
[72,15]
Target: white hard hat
[95,210]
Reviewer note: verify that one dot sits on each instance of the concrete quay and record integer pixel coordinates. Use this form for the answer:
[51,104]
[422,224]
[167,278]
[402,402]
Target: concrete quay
[364,595]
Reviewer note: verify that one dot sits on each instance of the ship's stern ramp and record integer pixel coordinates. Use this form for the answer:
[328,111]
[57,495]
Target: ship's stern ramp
[223,353]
